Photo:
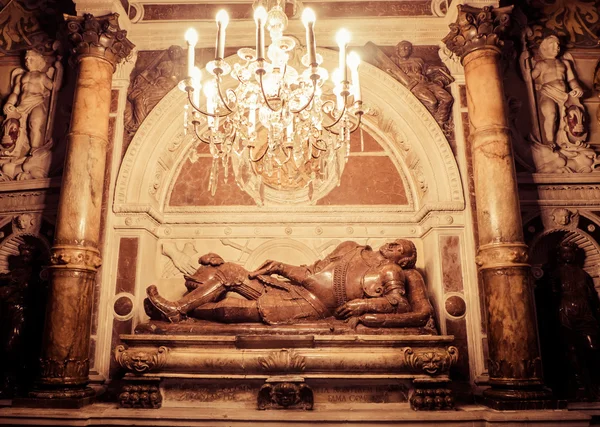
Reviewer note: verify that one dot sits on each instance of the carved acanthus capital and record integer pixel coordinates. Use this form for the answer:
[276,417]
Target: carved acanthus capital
[477,28]
[502,255]
[100,37]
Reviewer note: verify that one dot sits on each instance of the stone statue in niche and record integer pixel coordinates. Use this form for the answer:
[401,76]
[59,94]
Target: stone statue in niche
[353,283]
[152,84]
[569,305]
[427,82]
[560,127]
[21,318]
[26,144]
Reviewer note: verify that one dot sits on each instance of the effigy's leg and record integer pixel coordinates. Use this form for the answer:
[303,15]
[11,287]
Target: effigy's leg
[229,310]
[174,310]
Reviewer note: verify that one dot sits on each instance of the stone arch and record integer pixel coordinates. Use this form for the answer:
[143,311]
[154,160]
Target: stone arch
[400,123]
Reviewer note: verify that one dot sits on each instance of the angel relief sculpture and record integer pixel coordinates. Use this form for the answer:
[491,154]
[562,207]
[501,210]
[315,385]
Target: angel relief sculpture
[353,283]
[28,113]
[560,128]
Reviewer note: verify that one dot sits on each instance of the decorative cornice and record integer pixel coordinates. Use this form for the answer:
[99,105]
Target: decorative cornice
[477,28]
[100,37]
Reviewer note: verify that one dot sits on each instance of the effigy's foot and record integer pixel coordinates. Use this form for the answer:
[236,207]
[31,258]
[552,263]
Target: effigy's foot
[169,309]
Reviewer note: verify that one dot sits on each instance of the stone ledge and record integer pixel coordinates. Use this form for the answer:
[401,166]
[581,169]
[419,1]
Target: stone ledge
[110,414]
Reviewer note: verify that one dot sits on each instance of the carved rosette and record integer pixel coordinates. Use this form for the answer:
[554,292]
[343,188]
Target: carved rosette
[499,255]
[98,36]
[71,256]
[69,371]
[140,361]
[431,361]
[477,28]
[282,361]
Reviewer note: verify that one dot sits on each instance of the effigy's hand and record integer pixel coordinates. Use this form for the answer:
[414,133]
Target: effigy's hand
[352,308]
[266,269]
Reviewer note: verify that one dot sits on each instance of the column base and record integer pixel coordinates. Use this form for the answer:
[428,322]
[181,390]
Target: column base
[504,399]
[57,398]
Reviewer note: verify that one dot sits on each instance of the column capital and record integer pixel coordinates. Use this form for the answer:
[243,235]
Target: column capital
[100,37]
[477,28]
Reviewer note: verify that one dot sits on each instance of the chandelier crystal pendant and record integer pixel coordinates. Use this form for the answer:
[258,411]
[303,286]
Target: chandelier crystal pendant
[277,123]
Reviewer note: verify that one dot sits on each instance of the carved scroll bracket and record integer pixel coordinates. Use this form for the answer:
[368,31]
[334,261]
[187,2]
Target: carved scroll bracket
[100,37]
[431,361]
[140,361]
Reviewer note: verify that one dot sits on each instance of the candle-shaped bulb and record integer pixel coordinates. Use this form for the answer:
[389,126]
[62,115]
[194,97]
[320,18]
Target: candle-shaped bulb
[353,63]
[343,38]
[222,21]
[196,77]
[191,37]
[308,17]
[222,18]
[260,17]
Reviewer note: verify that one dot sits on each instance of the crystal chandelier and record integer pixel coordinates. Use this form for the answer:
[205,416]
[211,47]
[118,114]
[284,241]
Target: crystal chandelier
[277,123]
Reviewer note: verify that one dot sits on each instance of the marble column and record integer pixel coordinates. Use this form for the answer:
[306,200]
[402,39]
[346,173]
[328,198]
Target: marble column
[514,363]
[98,46]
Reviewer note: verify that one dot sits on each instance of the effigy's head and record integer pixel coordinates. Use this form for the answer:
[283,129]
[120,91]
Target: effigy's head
[549,47]
[403,252]
[404,49]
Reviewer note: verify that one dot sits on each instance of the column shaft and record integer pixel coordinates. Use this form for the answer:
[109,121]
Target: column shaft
[514,363]
[99,46]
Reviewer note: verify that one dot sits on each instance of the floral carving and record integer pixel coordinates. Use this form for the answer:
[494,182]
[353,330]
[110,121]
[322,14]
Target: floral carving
[502,254]
[432,362]
[99,36]
[141,361]
[76,368]
[283,361]
[575,21]
[477,28]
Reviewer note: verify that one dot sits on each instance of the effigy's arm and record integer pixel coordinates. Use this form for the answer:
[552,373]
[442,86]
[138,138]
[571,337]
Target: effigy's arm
[420,311]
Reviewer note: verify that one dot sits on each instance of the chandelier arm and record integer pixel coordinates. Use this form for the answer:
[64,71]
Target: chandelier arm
[221,94]
[312,96]
[358,122]
[262,89]
[343,112]
[287,159]
[259,158]
[205,113]
[198,134]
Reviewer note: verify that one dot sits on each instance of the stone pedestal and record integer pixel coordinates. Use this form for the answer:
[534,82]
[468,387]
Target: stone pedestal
[99,45]
[514,358]
[258,368]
